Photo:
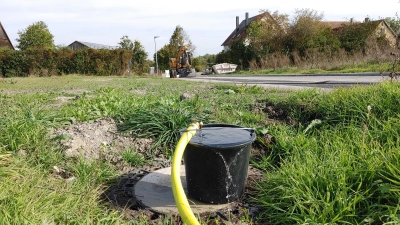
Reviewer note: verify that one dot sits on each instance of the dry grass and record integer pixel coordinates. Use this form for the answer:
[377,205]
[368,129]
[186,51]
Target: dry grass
[313,59]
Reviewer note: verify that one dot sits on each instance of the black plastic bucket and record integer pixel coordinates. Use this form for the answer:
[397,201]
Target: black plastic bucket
[216,162]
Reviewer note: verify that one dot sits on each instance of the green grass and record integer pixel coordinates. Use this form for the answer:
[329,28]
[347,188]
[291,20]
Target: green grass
[344,171]
[133,158]
[29,195]
[161,121]
[341,170]
[362,67]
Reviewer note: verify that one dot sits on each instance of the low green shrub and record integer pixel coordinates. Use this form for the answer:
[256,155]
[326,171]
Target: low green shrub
[40,61]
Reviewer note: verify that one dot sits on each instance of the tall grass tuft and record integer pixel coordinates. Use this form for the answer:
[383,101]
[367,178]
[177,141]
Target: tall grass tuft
[161,121]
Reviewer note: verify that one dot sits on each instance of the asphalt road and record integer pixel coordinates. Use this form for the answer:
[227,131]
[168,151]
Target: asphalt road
[294,81]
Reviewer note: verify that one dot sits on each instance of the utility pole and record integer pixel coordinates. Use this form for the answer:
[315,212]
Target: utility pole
[155,48]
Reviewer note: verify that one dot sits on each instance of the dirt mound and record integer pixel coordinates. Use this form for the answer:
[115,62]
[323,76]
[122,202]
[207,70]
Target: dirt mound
[98,139]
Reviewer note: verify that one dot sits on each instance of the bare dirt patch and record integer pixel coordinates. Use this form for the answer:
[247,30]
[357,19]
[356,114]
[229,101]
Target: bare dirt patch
[139,91]
[61,100]
[75,91]
[101,79]
[100,138]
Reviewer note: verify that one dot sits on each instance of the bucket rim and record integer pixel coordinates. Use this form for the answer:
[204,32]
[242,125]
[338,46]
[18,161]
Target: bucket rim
[222,125]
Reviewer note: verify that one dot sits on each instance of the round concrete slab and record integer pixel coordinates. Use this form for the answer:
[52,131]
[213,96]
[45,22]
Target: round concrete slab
[154,191]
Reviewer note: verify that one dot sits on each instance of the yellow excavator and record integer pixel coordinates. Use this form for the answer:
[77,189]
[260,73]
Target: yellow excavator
[181,65]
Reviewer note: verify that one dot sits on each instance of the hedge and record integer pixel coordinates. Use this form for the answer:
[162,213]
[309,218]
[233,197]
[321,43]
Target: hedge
[46,62]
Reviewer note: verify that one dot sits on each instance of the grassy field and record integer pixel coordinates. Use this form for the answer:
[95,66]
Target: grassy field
[330,158]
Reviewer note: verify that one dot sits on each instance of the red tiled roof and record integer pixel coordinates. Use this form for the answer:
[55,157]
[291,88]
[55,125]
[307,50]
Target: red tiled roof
[337,24]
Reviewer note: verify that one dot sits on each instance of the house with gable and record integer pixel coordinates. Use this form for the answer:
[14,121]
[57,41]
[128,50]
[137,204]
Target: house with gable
[4,40]
[82,44]
[239,33]
[376,27]
[380,27]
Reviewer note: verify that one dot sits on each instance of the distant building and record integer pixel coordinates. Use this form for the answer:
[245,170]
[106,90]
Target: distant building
[81,44]
[240,34]
[380,28]
[335,25]
[4,40]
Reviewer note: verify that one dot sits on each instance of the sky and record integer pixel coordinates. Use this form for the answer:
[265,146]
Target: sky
[208,23]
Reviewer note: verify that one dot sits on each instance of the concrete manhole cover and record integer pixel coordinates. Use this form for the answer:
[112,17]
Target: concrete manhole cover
[154,191]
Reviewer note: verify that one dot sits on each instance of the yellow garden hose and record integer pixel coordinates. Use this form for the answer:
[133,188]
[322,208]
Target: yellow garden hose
[181,201]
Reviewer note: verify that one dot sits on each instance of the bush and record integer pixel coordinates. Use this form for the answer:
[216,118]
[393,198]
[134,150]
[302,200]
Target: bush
[13,63]
[46,62]
[353,37]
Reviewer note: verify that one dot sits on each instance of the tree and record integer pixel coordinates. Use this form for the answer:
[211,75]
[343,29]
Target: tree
[222,57]
[139,54]
[139,57]
[180,38]
[205,61]
[267,34]
[239,53]
[163,55]
[307,31]
[35,35]
[126,43]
